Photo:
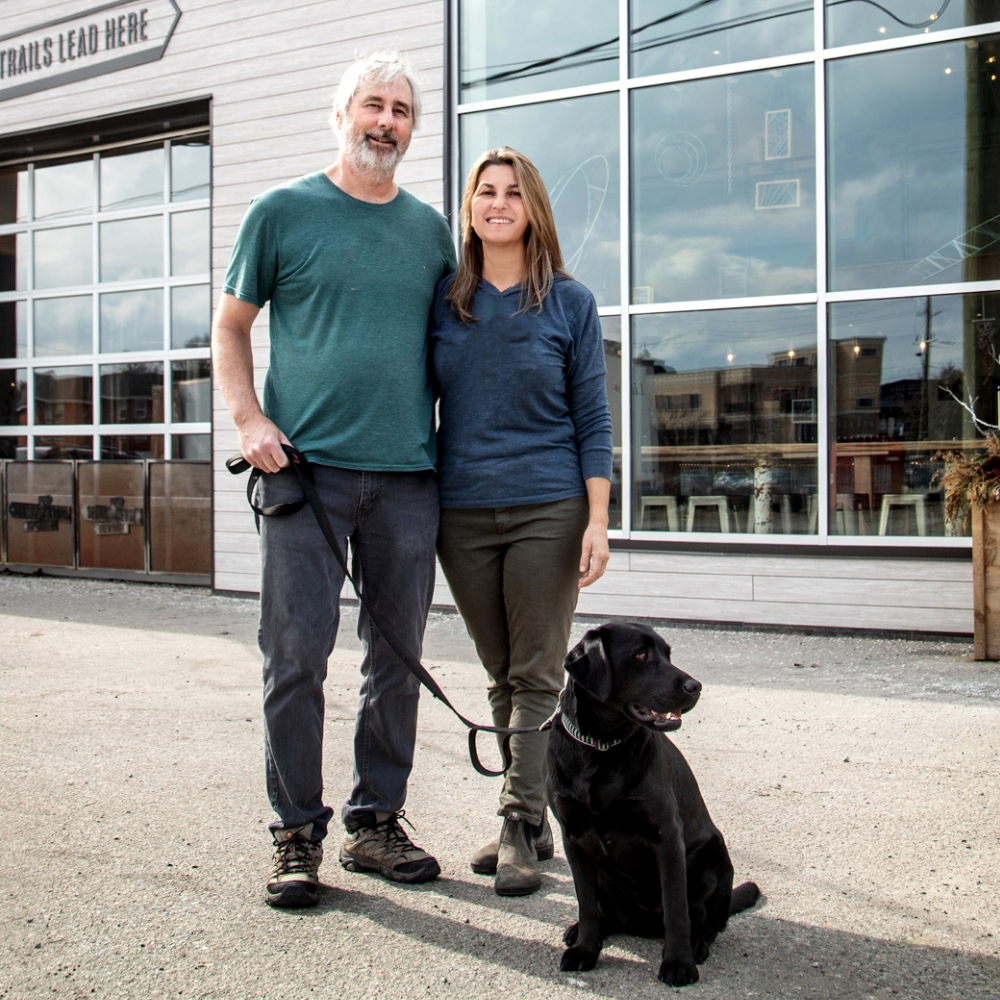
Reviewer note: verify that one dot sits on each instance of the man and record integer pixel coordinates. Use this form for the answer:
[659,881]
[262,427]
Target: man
[349,263]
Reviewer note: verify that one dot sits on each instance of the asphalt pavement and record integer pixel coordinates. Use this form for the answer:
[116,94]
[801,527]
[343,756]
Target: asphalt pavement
[855,780]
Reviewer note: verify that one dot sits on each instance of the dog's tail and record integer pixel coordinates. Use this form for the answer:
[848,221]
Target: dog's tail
[744,896]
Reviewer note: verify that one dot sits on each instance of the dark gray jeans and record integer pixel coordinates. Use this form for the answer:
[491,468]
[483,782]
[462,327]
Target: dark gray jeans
[391,519]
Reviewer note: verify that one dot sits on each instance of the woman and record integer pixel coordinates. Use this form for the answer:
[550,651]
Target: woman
[524,460]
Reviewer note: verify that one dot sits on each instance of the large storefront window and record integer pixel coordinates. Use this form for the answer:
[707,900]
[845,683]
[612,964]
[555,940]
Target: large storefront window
[907,376]
[105,303]
[724,420]
[723,188]
[582,176]
[513,47]
[672,35]
[913,192]
[794,240]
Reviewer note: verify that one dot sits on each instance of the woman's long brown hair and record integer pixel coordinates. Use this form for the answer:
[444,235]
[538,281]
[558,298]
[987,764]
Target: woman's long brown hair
[543,258]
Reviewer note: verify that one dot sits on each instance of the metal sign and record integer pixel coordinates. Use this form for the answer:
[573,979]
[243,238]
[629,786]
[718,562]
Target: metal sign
[112,518]
[100,40]
[41,516]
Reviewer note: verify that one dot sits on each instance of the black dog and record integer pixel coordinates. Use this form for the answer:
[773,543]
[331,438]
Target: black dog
[646,857]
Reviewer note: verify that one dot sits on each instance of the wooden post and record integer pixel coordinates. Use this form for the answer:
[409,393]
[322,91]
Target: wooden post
[986,580]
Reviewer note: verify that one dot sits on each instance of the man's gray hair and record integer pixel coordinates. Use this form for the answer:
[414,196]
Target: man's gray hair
[378,68]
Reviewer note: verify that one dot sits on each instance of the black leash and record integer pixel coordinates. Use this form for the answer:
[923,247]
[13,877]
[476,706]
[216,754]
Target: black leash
[238,465]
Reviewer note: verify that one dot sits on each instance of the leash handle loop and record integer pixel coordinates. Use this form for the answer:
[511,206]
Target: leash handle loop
[237,465]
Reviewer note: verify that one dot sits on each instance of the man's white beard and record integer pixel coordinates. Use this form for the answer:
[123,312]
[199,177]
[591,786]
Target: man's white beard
[376,163]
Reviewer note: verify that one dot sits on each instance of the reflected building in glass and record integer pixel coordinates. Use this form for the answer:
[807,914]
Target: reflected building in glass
[797,230]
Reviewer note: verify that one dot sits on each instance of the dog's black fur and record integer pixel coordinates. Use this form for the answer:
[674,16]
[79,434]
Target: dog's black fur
[646,857]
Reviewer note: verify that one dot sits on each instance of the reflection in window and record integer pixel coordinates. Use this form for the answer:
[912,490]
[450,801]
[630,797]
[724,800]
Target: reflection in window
[132,446]
[672,35]
[190,316]
[724,187]
[852,21]
[13,329]
[132,321]
[64,395]
[724,421]
[64,257]
[64,446]
[65,189]
[64,326]
[192,446]
[190,169]
[914,197]
[132,249]
[132,394]
[611,329]
[130,180]
[189,242]
[512,47]
[13,397]
[581,176]
[13,262]
[13,447]
[191,388]
[13,195]
[899,373]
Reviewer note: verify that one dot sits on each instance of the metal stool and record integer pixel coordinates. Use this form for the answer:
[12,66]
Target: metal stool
[670,506]
[915,500]
[721,504]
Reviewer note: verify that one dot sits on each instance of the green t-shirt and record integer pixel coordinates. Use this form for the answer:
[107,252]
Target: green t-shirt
[351,285]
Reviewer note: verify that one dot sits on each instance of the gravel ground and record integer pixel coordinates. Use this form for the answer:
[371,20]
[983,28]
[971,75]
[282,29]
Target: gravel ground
[855,780]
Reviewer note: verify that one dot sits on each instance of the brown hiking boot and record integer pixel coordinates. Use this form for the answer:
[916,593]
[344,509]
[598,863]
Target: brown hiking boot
[484,861]
[294,879]
[386,849]
[517,861]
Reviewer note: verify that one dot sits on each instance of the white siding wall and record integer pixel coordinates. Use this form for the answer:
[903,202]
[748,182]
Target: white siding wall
[270,69]
[877,593]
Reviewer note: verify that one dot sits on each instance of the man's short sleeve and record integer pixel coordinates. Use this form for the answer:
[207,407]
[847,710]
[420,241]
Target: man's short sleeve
[253,267]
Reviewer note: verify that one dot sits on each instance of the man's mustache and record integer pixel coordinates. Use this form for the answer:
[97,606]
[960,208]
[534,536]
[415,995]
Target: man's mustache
[382,136]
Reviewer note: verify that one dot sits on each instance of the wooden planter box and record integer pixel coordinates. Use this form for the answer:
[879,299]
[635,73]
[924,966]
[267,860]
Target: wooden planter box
[986,580]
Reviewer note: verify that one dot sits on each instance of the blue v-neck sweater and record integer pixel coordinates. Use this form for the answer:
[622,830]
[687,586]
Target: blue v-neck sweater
[523,402]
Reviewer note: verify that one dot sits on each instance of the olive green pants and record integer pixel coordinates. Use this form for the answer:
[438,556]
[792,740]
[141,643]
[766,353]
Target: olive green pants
[513,572]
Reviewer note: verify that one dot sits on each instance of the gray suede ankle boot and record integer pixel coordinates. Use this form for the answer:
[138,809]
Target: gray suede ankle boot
[517,861]
[484,861]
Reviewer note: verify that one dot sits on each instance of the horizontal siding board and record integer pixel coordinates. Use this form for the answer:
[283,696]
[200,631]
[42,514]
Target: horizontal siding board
[926,593]
[944,620]
[238,562]
[878,566]
[239,582]
[709,586]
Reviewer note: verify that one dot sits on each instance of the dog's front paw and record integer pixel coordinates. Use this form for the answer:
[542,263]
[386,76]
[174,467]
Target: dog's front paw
[579,959]
[569,935]
[701,950]
[677,973]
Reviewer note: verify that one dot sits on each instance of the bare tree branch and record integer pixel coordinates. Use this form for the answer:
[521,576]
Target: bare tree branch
[981,425]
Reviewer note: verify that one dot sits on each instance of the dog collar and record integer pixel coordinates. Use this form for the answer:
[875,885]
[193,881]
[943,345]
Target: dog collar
[583,738]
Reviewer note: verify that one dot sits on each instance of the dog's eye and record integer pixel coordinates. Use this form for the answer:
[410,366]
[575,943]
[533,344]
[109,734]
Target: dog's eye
[641,656]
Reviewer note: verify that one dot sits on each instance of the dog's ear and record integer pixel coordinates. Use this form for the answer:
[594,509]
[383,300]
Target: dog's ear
[587,663]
